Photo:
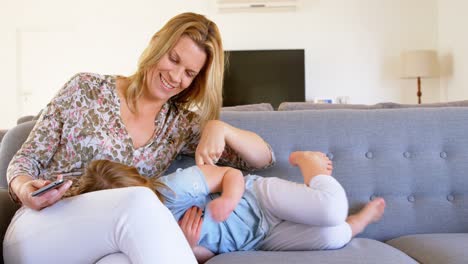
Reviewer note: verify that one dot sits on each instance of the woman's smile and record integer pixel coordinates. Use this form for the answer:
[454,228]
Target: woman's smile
[165,83]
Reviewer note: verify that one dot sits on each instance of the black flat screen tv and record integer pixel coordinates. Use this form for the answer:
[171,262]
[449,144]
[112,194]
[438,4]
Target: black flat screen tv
[264,76]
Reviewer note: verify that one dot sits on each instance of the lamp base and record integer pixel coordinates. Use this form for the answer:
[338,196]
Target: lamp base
[419,93]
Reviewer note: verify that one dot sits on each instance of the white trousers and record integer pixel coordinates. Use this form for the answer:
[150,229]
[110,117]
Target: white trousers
[304,217]
[95,227]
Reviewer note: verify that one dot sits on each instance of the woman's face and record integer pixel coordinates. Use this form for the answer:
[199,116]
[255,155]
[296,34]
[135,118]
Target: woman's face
[176,70]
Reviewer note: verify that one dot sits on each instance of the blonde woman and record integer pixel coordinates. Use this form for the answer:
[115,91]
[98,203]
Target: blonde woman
[168,107]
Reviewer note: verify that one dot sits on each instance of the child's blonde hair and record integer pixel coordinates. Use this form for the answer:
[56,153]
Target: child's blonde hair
[106,174]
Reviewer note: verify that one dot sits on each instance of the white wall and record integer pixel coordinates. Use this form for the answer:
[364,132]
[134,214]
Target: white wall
[453,41]
[352,46]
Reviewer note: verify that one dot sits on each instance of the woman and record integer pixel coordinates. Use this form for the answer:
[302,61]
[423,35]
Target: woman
[143,121]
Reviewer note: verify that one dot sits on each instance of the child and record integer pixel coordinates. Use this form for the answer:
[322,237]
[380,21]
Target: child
[249,213]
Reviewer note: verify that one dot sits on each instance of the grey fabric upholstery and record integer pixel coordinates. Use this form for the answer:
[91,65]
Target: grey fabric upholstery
[463,103]
[290,106]
[24,119]
[294,106]
[360,250]
[7,209]
[416,158]
[2,134]
[13,140]
[249,107]
[434,248]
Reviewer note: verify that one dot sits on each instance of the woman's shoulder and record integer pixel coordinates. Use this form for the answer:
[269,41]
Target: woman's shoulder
[89,84]
[92,80]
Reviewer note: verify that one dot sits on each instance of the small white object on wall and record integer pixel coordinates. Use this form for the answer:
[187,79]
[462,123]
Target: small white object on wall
[319,100]
[233,6]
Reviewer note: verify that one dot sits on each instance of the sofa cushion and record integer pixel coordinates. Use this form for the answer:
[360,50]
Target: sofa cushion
[434,248]
[249,107]
[359,250]
[292,106]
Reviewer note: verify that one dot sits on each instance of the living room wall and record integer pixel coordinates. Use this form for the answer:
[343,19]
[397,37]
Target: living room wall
[352,47]
[453,41]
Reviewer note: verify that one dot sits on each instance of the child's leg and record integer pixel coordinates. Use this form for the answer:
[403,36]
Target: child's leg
[321,201]
[292,236]
[289,236]
[371,213]
[311,164]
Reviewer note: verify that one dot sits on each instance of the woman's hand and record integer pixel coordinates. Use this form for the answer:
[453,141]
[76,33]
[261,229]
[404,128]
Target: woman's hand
[250,147]
[191,225]
[212,143]
[221,207]
[25,186]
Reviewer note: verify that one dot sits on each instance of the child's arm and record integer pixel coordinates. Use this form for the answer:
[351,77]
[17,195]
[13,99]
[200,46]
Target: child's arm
[228,181]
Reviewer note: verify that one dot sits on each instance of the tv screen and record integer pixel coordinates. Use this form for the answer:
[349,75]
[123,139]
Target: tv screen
[264,76]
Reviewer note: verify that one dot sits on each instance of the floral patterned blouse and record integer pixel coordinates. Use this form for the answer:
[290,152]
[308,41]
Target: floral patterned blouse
[82,123]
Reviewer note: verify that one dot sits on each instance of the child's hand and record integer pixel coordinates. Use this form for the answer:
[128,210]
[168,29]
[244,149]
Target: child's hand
[191,225]
[221,207]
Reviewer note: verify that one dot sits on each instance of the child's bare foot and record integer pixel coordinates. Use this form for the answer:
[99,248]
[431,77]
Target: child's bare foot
[371,213]
[311,164]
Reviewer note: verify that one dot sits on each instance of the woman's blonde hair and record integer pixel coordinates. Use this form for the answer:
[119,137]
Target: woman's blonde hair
[205,91]
[106,174]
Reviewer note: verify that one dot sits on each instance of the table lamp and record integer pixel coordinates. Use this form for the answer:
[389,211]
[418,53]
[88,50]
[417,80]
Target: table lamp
[419,64]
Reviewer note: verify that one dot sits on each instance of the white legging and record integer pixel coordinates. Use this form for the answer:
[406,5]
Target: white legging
[94,226]
[304,217]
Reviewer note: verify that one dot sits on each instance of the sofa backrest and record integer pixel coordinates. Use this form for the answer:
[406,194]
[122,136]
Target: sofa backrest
[417,159]
[463,103]
[292,106]
[249,107]
[11,142]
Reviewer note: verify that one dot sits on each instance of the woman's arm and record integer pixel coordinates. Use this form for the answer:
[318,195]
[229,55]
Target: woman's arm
[24,185]
[38,150]
[249,146]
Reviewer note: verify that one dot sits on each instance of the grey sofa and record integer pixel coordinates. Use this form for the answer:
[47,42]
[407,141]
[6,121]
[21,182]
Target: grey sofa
[416,158]
[19,121]
[2,134]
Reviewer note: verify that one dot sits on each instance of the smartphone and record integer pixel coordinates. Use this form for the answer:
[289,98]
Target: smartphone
[48,187]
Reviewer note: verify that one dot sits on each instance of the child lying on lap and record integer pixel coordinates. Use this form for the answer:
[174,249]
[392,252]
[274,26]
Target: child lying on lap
[248,213]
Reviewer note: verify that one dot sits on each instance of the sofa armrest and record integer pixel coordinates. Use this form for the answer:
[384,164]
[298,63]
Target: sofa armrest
[2,133]
[7,210]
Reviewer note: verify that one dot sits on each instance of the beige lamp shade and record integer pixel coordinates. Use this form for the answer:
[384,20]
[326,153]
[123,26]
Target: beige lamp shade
[419,63]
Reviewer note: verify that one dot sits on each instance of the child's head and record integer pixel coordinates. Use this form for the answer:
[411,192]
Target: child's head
[106,174]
